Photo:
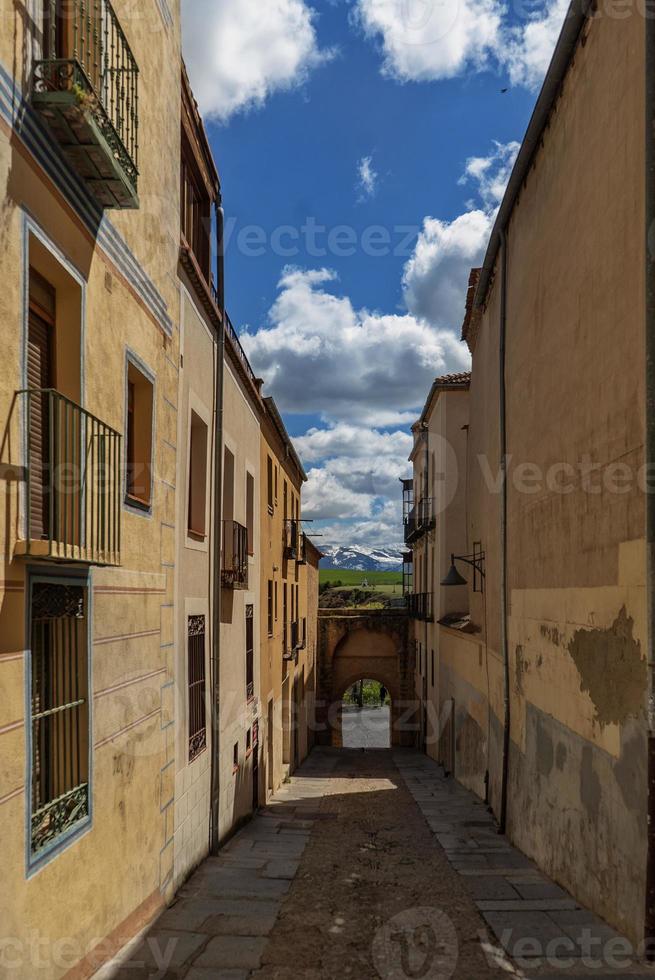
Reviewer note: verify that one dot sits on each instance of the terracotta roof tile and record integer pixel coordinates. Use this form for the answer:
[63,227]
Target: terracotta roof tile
[463,378]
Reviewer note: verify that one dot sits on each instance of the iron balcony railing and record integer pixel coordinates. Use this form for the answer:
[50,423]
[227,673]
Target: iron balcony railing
[408,572]
[234,571]
[419,606]
[86,55]
[73,482]
[234,338]
[294,543]
[420,520]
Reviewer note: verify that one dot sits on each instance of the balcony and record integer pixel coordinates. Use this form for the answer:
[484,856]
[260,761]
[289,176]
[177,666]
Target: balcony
[86,88]
[408,572]
[234,570]
[73,483]
[420,520]
[419,606]
[294,543]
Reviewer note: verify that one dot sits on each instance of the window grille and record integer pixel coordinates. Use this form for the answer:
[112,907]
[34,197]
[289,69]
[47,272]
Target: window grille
[59,711]
[197,687]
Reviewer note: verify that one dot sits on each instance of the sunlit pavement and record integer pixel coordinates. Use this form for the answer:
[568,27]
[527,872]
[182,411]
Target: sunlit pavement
[360,848]
[365,727]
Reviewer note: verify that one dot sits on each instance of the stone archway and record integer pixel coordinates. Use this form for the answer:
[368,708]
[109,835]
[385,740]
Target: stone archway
[365,644]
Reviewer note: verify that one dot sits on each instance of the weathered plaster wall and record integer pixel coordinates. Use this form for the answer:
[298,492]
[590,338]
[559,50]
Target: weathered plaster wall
[575,541]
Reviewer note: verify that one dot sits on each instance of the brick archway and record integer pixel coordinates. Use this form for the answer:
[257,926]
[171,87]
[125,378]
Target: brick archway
[365,644]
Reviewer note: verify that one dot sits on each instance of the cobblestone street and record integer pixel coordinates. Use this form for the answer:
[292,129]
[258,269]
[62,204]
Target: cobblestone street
[371,864]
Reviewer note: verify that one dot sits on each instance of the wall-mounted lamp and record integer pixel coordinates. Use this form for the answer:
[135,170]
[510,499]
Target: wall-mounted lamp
[476,561]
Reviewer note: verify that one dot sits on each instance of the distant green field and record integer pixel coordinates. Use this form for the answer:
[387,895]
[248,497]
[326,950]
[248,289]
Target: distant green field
[348,577]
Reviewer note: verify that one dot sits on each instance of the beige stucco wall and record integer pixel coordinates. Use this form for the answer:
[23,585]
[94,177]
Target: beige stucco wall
[285,686]
[241,433]
[194,578]
[126,853]
[576,565]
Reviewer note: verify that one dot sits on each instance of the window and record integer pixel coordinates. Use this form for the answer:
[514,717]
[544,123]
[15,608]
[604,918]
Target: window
[248,742]
[276,484]
[285,500]
[250,653]
[197,511]
[432,667]
[269,483]
[138,470]
[285,614]
[276,602]
[235,757]
[250,512]
[197,686]
[228,486]
[270,608]
[195,202]
[59,711]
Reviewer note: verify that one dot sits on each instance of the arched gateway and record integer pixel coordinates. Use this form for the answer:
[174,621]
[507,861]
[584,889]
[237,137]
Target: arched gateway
[355,644]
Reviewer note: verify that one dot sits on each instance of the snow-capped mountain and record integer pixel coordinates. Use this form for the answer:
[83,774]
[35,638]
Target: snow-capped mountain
[361,559]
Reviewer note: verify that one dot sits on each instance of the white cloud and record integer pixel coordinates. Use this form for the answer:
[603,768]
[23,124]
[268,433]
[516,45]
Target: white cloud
[425,40]
[319,353]
[238,52]
[326,497]
[491,173]
[382,530]
[530,47]
[351,441]
[367,178]
[428,40]
[436,276]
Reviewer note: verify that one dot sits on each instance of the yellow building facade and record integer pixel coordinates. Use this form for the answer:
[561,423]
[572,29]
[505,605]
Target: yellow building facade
[289,564]
[88,399]
[546,676]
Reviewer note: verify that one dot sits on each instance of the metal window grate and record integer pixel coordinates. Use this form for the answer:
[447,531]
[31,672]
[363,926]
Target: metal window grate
[60,712]
[197,687]
[250,653]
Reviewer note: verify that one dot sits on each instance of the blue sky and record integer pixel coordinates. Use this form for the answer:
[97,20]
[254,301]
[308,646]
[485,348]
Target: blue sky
[363,146]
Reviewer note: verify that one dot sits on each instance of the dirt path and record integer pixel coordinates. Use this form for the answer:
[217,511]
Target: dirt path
[371,858]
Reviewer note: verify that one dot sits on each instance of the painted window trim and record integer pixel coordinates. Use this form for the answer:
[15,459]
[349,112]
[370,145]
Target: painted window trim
[35,575]
[130,504]
[193,540]
[30,227]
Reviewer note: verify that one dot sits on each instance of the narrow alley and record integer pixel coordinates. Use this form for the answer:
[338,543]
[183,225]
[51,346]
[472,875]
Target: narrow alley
[392,871]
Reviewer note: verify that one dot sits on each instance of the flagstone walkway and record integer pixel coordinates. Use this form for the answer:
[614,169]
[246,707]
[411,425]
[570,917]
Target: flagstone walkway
[373,865]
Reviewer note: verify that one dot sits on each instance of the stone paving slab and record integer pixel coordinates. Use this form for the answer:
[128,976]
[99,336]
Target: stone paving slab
[218,926]
[533,919]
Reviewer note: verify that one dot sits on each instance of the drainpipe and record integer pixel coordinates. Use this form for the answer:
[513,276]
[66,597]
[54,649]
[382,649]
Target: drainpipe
[503,537]
[649,923]
[218,533]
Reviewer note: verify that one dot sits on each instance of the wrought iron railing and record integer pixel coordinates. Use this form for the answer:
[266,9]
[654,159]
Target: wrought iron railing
[196,686]
[234,571]
[408,572]
[234,338]
[73,482]
[419,606]
[420,520]
[86,54]
[59,712]
[292,540]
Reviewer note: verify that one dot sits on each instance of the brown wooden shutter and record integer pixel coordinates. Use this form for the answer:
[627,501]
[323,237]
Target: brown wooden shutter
[39,373]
